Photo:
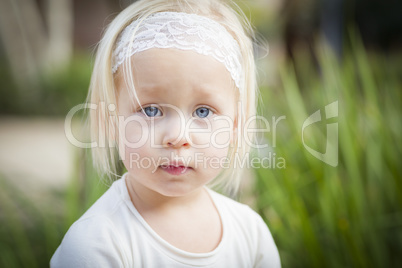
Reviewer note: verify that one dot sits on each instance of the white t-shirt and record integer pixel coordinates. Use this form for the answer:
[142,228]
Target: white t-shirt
[113,234]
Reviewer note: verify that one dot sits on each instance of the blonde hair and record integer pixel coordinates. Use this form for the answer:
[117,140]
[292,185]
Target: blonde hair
[102,89]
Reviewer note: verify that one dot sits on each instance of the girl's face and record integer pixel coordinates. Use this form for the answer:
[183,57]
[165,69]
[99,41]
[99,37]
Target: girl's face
[179,140]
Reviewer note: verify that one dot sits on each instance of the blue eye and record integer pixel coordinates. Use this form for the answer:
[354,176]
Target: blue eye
[202,112]
[152,111]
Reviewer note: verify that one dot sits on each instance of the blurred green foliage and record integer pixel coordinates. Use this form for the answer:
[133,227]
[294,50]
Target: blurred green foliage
[349,215]
[52,94]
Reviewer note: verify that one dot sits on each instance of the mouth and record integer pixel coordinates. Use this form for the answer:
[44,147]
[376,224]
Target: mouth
[175,169]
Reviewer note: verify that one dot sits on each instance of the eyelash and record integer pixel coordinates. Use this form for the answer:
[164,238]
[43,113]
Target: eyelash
[144,109]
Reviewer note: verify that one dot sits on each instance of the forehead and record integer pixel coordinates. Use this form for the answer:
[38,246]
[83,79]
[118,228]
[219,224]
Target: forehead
[168,71]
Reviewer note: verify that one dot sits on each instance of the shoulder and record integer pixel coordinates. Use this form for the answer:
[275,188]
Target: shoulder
[249,224]
[94,240]
[109,203]
[90,242]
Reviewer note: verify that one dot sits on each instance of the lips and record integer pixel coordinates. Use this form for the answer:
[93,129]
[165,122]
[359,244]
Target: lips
[175,169]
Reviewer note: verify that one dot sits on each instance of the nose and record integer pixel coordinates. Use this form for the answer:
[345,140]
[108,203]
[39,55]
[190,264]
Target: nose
[182,143]
[175,135]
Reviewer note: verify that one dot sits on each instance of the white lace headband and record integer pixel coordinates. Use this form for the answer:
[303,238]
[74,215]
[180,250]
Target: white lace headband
[182,31]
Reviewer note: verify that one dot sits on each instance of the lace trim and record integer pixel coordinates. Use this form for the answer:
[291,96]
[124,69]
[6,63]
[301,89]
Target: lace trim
[181,31]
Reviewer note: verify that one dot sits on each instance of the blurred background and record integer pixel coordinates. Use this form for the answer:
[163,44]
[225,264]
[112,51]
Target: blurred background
[310,53]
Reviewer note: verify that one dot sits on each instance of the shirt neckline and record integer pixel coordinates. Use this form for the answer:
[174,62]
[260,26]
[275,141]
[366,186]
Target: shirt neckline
[195,259]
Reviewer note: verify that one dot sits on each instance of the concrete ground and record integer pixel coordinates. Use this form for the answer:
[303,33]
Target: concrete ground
[35,153]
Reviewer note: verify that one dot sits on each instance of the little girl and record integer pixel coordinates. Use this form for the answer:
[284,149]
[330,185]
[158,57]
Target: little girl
[174,84]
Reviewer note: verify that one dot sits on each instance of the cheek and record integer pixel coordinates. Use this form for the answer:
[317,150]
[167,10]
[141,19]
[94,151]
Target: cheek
[222,138]
[133,137]
[199,133]
[133,131]
[222,133]
[139,160]
[216,133]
